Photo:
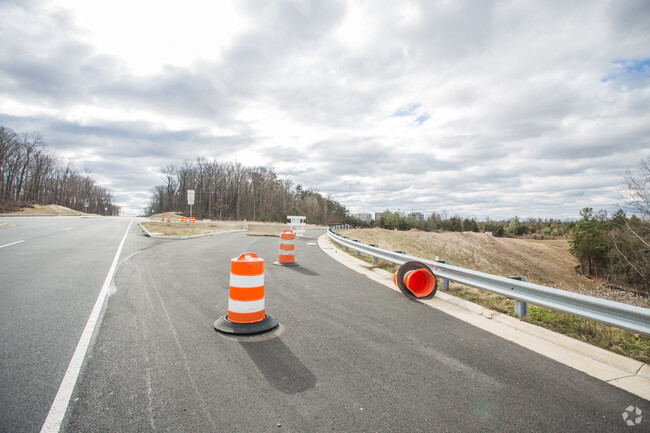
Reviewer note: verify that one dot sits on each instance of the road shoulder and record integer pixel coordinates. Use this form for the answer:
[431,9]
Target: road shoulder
[620,371]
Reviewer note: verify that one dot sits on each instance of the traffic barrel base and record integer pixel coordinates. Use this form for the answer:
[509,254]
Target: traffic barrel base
[246,305]
[286,264]
[224,325]
[416,281]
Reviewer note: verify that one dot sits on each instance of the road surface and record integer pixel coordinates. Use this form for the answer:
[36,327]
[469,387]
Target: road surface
[52,269]
[351,355]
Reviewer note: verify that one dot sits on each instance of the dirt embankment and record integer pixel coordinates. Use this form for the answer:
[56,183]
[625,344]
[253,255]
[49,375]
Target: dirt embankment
[41,209]
[548,263]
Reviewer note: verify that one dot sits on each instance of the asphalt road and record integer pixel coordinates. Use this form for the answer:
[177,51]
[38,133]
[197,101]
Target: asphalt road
[351,355]
[51,271]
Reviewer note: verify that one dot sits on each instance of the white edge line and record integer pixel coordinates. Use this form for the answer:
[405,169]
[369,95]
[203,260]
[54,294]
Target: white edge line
[60,404]
[13,243]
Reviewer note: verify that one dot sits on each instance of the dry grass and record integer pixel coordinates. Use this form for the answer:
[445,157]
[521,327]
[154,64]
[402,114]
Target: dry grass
[543,262]
[191,229]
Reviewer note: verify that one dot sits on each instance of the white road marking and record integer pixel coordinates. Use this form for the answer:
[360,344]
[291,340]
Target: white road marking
[13,243]
[69,228]
[60,404]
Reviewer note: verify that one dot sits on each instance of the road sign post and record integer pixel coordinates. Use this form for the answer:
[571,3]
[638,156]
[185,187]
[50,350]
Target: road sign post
[190,199]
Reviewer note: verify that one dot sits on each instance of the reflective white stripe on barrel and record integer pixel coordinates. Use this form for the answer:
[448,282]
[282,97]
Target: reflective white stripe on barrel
[246,281]
[245,306]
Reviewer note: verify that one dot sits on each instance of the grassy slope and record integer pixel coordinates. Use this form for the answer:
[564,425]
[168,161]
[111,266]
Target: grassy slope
[542,262]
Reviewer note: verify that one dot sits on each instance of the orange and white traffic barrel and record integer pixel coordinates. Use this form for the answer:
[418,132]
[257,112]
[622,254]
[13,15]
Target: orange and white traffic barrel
[192,220]
[286,256]
[246,308]
[182,219]
[416,280]
[169,219]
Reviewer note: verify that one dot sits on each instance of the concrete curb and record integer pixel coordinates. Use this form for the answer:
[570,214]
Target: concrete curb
[173,238]
[620,371]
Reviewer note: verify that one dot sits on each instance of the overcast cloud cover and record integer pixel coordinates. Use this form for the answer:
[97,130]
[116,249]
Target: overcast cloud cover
[479,108]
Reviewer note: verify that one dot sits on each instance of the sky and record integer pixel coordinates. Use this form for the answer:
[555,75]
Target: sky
[485,109]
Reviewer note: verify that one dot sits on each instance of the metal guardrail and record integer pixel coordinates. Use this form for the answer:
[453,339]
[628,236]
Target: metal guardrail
[630,317]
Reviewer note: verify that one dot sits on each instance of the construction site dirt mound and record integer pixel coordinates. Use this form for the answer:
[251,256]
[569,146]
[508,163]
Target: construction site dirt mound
[545,262]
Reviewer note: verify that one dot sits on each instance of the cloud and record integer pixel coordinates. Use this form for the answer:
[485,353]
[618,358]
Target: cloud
[482,108]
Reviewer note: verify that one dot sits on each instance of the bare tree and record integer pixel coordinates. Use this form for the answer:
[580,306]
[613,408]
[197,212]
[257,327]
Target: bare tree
[630,237]
[226,190]
[29,174]
[637,194]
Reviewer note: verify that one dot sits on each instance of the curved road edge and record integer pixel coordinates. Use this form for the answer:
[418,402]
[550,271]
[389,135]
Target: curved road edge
[155,236]
[620,371]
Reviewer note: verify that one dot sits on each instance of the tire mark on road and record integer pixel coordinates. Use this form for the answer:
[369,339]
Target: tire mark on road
[186,363]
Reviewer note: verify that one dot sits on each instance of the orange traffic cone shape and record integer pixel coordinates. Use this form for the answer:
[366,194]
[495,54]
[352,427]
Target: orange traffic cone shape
[286,255]
[416,280]
[246,310]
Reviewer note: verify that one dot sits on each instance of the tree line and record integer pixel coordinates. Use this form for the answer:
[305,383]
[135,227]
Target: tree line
[441,222]
[30,174]
[232,191]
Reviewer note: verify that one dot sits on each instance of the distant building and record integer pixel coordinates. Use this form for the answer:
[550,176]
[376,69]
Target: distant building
[363,216]
[418,216]
[378,215]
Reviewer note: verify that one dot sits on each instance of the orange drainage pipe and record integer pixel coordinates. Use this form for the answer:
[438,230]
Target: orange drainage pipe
[416,280]
[286,256]
[246,309]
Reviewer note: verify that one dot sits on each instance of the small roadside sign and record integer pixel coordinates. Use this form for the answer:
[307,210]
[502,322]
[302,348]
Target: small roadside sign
[190,196]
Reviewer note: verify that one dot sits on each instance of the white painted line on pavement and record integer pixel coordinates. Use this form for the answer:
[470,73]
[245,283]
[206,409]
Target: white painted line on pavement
[13,243]
[69,228]
[60,404]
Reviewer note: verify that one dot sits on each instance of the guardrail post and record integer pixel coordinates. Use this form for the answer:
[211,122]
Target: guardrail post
[375,260]
[444,283]
[521,308]
[358,252]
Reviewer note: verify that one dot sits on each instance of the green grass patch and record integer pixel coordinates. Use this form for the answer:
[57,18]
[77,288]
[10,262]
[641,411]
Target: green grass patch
[607,337]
